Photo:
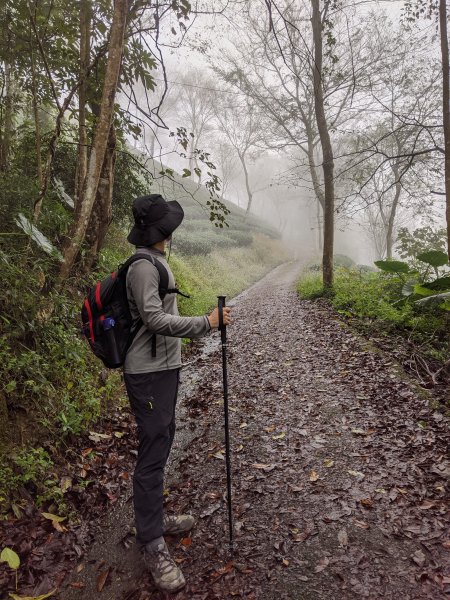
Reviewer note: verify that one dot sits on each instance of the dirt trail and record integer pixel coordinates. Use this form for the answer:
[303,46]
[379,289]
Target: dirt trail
[341,470]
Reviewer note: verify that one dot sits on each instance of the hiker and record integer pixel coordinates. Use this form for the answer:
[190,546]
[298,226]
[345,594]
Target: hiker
[151,372]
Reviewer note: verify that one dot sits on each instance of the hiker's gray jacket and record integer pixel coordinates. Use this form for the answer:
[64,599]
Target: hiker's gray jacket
[158,317]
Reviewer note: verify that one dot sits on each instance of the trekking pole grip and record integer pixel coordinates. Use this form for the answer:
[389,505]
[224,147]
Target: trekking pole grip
[221,306]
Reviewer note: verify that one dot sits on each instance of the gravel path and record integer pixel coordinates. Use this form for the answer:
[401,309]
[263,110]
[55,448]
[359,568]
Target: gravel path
[340,470]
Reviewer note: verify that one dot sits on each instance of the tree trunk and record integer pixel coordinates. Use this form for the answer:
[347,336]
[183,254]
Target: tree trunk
[247,183]
[85,27]
[102,210]
[393,213]
[37,122]
[319,227]
[446,108]
[312,169]
[327,149]
[5,147]
[100,141]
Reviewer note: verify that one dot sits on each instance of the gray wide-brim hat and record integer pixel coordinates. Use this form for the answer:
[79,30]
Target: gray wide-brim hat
[155,219]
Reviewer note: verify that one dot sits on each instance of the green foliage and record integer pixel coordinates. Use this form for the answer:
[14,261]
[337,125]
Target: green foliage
[435,258]
[46,367]
[31,469]
[393,266]
[410,245]
[375,301]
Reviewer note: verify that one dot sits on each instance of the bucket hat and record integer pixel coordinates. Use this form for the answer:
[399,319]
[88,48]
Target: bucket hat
[154,219]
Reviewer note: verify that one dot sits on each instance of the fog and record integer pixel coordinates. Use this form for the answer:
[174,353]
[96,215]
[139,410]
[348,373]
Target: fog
[218,89]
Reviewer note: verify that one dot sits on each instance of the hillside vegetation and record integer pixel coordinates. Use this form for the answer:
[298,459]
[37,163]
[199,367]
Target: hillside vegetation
[52,387]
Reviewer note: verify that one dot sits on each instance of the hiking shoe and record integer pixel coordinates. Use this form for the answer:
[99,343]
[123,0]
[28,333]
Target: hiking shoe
[174,524]
[165,572]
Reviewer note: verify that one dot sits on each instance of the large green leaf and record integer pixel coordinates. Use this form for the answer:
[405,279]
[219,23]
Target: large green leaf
[392,266]
[435,258]
[420,290]
[441,284]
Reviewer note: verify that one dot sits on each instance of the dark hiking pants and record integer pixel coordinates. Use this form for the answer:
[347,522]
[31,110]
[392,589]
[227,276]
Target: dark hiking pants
[153,399]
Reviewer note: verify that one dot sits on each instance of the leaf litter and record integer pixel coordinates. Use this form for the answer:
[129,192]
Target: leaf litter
[375,525]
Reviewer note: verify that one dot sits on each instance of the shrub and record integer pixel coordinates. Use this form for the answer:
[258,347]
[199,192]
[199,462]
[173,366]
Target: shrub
[376,301]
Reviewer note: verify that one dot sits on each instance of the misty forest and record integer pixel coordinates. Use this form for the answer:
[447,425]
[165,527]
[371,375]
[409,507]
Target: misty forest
[308,144]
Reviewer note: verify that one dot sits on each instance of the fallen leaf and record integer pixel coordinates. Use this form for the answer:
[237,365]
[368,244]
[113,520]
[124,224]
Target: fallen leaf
[285,562]
[323,564]
[280,436]
[361,524]
[263,467]
[119,434]
[446,544]
[367,502]
[419,558]
[343,537]
[96,437]
[65,483]
[101,579]
[427,504]
[270,429]
[42,597]
[209,511]
[356,474]
[243,425]
[362,431]
[10,557]
[54,518]
[220,455]
[328,462]
[313,475]
[187,541]
[296,488]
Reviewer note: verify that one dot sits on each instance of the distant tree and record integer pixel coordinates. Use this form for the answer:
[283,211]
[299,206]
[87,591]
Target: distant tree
[241,125]
[195,110]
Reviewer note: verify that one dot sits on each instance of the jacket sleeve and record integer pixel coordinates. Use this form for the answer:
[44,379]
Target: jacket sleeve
[143,279]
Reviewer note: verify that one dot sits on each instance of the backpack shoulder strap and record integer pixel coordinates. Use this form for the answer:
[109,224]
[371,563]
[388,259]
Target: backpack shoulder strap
[163,287]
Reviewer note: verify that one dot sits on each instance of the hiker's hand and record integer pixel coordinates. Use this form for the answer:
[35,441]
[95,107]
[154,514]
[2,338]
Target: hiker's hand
[213,318]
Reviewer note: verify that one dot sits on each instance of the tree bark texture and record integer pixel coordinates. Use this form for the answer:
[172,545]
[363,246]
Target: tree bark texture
[327,149]
[446,108]
[100,141]
[102,210]
[247,182]
[7,125]
[85,26]
[37,121]
[393,212]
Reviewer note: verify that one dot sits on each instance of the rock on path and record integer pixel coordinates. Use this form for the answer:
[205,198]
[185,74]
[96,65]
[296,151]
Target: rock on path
[340,469]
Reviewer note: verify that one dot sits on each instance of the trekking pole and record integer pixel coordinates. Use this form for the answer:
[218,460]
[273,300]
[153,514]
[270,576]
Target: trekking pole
[223,334]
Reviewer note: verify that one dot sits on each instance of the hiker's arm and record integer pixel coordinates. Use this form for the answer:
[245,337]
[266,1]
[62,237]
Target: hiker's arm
[143,278]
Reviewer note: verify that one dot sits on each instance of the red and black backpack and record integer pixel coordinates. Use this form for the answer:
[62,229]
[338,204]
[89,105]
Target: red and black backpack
[107,321]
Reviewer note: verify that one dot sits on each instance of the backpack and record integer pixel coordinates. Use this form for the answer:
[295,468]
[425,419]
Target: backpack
[106,317]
